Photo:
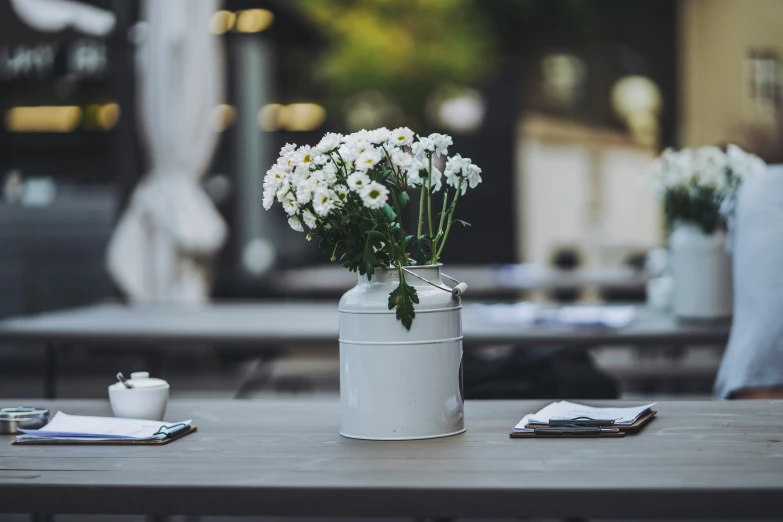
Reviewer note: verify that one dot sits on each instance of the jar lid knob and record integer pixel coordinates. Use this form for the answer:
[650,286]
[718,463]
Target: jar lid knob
[137,376]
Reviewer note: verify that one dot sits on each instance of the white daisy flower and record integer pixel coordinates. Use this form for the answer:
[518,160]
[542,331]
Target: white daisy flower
[289,204]
[368,159]
[309,218]
[295,223]
[374,195]
[323,203]
[269,199]
[305,156]
[743,163]
[402,160]
[379,136]
[474,175]
[304,192]
[342,193]
[321,160]
[441,143]
[348,154]
[420,179]
[401,136]
[282,189]
[287,149]
[287,162]
[300,173]
[273,178]
[330,173]
[329,142]
[358,141]
[422,147]
[454,169]
[358,180]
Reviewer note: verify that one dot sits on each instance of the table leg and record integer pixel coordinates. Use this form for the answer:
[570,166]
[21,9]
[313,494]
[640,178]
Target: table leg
[50,377]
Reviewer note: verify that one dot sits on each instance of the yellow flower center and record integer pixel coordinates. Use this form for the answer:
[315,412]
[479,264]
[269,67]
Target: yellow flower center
[374,194]
[306,158]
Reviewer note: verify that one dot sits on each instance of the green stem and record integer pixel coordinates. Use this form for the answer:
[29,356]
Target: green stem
[451,216]
[440,228]
[429,196]
[421,213]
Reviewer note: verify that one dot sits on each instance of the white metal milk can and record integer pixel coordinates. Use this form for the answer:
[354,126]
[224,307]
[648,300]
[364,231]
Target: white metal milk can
[398,384]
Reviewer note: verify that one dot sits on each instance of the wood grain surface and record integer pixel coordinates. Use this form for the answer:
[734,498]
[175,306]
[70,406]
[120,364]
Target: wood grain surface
[697,459]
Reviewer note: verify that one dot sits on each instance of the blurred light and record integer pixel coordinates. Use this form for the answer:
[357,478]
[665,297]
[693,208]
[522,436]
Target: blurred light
[43,119]
[637,100]
[301,116]
[267,117]
[563,78]
[258,256]
[222,22]
[223,117]
[634,94]
[254,20]
[459,110]
[296,117]
[107,116]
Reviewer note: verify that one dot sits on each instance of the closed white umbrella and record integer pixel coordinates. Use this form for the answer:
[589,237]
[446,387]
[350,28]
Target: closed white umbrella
[161,248]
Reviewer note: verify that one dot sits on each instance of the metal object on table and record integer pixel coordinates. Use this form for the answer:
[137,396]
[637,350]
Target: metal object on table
[25,417]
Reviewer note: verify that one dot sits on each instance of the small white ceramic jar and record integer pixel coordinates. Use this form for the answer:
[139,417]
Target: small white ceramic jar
[147,399]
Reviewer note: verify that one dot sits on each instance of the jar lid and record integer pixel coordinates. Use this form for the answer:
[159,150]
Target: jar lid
[22,412]
[142,380]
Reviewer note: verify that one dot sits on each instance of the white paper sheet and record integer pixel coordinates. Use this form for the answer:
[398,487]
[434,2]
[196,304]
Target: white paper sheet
[64,426]
[570,410]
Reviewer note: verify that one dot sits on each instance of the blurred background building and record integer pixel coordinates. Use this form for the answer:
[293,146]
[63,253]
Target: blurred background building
[563,103]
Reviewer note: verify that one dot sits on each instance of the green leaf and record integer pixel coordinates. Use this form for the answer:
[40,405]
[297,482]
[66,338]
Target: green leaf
[402,299]
[403,198]
[374,233]
[423,249]
[463,223]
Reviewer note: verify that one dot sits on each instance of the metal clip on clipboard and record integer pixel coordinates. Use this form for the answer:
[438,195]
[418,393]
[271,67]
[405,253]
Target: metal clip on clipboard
[581,422]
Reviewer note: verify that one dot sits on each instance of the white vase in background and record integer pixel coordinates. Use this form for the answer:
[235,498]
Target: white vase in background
[398,384]
[701,266]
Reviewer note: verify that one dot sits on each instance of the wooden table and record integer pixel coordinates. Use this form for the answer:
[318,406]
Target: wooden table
[716,460]
[261,324]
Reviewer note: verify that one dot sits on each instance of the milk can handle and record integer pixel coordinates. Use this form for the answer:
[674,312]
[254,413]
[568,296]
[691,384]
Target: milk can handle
[456,291]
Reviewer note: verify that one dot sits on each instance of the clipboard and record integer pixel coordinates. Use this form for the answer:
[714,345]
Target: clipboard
[532,435]
[117,442]
[630,428]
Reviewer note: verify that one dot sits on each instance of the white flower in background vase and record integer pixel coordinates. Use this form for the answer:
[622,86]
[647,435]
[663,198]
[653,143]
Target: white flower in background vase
[698,188]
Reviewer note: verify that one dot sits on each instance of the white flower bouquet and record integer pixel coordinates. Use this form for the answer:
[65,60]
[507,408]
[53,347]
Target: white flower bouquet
[699,186]
[351,191]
